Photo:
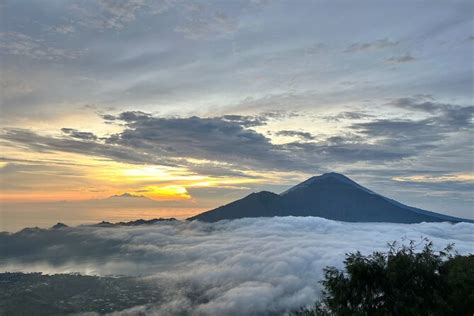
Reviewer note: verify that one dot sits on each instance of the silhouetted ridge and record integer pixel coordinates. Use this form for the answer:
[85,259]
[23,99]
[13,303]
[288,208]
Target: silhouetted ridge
[137,222]
[59,225]
[128,195]
[260,204]
[332,196]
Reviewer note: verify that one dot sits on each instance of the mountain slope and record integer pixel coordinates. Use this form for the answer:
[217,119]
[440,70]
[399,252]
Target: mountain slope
[261,204]
[331,196]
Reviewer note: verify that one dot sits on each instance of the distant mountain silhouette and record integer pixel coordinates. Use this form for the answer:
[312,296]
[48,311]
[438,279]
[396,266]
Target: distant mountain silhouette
[128,195]
[137,222]
[332,196]
[59,226]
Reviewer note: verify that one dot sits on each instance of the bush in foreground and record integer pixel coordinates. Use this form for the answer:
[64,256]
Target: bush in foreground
[401,281]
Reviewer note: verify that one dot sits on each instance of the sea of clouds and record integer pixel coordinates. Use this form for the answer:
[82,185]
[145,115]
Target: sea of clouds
[240,267]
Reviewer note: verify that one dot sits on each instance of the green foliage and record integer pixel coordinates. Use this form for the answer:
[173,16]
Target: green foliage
[401,281]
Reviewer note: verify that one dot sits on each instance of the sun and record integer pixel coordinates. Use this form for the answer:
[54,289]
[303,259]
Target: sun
[172,192]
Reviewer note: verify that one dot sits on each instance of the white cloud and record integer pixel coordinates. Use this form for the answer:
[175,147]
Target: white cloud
[15,43]
[369,46]
[467,177]
[109,14]
[208,25]
[247,266]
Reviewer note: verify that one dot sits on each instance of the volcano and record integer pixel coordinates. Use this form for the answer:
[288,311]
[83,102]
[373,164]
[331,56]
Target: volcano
[332,196]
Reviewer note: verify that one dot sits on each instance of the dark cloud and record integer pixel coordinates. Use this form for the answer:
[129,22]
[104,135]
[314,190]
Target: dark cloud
[460,117]
[74,133]
[347,115]
[24,138]
[231,146]
[393,139]
[347,138]
[109,117]
[375,45]
[417,105]
[400,59]
[415,136]
[132,116]
[302,135]
[167,141]
[327,153]
[215,139]
[229,141]
[448,116]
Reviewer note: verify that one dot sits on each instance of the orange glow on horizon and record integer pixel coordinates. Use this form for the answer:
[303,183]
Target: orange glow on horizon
[17,197]
[52,176]
[169,192]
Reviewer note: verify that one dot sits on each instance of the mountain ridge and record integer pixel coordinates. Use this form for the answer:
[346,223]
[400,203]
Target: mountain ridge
[331,195]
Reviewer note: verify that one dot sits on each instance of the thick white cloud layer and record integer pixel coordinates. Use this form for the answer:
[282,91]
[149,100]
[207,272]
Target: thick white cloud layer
[240,267]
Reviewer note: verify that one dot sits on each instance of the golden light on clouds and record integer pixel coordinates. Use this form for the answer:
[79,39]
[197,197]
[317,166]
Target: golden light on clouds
[173,192]
[145,172]
[465,177]
[59,176]
[51,175]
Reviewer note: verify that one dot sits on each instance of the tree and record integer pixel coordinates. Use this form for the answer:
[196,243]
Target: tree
[401,281]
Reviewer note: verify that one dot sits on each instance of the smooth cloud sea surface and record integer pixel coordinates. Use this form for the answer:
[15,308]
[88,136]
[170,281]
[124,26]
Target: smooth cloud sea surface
[239,267]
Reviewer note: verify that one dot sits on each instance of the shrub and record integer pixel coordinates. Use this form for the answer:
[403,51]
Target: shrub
[401,281]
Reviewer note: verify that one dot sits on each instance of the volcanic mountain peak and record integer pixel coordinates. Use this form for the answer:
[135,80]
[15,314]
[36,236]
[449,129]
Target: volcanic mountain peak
[323,179]
[332,196]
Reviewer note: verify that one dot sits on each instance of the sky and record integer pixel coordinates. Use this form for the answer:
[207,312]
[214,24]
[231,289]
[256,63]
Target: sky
[137,108]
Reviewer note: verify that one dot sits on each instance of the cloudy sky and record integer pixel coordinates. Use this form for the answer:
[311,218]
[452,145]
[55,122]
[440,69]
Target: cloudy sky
[194,104]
